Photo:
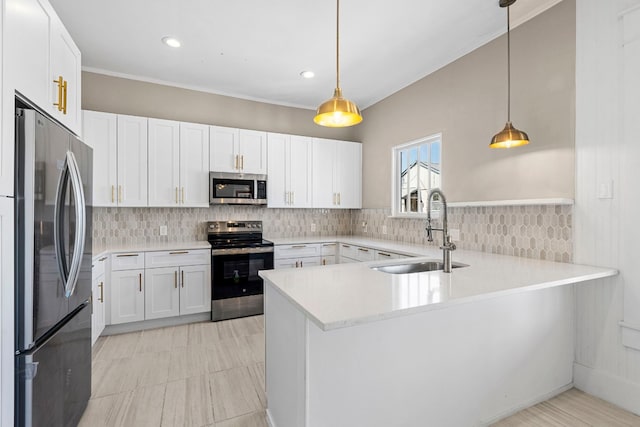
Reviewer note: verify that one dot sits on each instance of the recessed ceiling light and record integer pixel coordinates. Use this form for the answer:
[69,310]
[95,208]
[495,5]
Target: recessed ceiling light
[308,74]
[171,41]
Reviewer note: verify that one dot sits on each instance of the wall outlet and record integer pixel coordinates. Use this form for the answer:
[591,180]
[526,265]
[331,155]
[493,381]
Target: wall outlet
[163,230]
[454,233]
[384,229]
[313,227]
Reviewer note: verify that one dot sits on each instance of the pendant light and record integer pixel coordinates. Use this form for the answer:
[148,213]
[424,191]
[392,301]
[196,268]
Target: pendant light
[338,112]
[509,136]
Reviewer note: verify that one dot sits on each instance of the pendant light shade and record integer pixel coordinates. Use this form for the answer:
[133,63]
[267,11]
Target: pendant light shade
[509,137]
[337,111]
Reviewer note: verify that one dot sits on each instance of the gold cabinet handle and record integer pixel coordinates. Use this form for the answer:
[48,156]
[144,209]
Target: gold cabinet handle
[126,255]
[104,258]
[64,98]
[328,244]
[175,279]
[59,82]
[101,286]
[178,252]
[113,189]
[183,195]
[346,246]
[384,254]
[324,262]
[119,193]
[296,264]
[293,197]
[300,264]
[140,281]
[182,273]
[242,162]
[176,195]
[298,246]
[338,199]
[363,249]
[236,164]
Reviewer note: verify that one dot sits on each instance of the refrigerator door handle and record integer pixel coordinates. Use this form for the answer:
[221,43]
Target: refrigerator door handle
[70,170]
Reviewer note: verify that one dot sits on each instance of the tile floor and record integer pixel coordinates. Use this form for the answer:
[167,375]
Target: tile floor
[203,374]
[212,374]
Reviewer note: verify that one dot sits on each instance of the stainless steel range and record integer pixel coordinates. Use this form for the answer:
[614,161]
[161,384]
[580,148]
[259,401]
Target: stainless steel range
[238,252]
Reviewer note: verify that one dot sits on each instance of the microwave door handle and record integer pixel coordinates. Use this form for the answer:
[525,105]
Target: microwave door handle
[81,224]
[58,219]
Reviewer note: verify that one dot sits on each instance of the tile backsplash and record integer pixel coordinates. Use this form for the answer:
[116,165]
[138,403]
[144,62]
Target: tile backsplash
[113,227]
[540,231]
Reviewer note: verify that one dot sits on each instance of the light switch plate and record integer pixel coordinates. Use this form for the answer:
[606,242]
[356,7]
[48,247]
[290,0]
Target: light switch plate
[384,229]
[163,230]
[313,227]
[605,190]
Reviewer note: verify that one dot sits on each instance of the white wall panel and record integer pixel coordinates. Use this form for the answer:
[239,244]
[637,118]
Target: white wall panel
[605,229]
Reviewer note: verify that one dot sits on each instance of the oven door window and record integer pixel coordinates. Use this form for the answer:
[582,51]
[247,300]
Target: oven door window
[233,189]
[237,275]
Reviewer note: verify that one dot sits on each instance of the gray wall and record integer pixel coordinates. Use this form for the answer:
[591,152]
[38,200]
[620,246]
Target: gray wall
[466,101]
[138,98]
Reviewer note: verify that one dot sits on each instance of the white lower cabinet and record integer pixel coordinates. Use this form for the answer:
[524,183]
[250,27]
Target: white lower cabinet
[353,253]
[127,296]
[162,295]
[177,291]
[159,284]
[328,253]
[98,318]
[297,256]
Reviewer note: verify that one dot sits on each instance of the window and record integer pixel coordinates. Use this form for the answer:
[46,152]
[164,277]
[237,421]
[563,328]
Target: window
[417,169]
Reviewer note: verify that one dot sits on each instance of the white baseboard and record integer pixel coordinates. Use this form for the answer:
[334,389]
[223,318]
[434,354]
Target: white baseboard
[270,419]
[616,390]
[124,328]
[528,404]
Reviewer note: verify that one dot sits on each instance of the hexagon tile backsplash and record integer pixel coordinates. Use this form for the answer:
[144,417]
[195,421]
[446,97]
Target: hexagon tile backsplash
[537,231]
[540,231]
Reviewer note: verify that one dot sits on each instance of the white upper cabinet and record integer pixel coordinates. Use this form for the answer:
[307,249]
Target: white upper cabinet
[99,130]
[337,174]
[26,53]
[349,174]
[65,73]
[42,61]
[289,171]
[164,163]
[132,161]
[222,148]
[194,165]
[238,150]
[252,151]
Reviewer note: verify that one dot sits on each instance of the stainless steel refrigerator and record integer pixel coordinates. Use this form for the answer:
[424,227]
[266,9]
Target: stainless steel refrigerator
[53,273]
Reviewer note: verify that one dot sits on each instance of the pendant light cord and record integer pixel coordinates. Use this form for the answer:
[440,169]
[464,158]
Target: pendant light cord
[508,66]
[337,44]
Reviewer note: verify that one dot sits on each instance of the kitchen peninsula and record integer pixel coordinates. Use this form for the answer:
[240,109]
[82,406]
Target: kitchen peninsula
[347,345]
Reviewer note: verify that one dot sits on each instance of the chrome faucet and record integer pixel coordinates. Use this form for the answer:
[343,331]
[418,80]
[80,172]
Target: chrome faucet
[447,244]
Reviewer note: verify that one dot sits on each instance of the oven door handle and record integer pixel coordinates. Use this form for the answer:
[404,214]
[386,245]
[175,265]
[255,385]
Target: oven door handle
[241,251]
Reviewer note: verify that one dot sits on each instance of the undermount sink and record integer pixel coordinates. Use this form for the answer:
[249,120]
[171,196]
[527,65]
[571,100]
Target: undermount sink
[416,267]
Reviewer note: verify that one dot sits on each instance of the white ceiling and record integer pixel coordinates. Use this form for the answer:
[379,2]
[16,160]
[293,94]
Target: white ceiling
[255,49]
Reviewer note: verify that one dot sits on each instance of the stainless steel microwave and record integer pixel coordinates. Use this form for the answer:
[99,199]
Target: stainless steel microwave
[237,189]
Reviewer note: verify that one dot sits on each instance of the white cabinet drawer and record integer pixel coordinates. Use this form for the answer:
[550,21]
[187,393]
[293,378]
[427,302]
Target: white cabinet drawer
[329,249]
[99,266]
[380,255]
[177,258]
[297,251]
[364,254]
[127,261]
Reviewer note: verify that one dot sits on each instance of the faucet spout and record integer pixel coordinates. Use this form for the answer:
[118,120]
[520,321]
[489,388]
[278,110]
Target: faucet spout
[447,244]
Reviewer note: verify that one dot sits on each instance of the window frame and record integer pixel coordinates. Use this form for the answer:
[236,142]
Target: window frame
[396,169]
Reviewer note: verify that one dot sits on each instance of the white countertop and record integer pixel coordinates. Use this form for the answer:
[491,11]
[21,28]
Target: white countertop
[150,247]
[337,296]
